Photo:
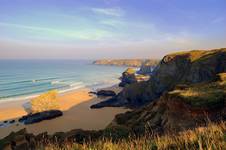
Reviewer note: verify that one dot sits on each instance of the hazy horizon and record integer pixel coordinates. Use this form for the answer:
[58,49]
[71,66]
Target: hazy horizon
[54,29]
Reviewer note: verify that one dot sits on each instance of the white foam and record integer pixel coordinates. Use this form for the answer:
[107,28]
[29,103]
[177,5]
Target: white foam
[56,82]
[73,86]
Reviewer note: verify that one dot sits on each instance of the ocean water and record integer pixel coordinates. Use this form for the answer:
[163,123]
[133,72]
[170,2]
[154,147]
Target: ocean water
[23,79]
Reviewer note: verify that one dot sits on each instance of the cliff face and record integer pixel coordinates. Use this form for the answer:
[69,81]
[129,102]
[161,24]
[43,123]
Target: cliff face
[183,108]
[147,67]
[179,68]
[186,90]
[126,62]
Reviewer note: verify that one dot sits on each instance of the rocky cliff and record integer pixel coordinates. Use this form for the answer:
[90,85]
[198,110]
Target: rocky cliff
[186,90]
[178,68]
[127,62]
[183,108]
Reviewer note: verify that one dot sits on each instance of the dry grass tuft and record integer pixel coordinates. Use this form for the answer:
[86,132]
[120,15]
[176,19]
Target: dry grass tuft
[212,137]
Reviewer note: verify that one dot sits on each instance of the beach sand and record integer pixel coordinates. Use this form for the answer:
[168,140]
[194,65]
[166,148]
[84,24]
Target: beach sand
[77,114]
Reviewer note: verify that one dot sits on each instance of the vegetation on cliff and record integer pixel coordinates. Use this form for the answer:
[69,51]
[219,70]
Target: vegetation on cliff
[210,94]
[179,68]
[173,109]
[211,137]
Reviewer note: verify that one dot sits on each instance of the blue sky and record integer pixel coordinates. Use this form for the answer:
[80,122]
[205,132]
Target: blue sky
[90,29]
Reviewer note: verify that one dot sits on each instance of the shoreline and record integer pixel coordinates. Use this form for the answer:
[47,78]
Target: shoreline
[77,114]
[60,92]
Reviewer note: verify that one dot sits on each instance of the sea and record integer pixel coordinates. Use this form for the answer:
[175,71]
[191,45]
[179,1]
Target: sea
[24,79]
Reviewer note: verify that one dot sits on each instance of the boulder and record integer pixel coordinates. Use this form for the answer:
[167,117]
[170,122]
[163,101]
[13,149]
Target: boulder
[12,121]
[105,93]
[38,117]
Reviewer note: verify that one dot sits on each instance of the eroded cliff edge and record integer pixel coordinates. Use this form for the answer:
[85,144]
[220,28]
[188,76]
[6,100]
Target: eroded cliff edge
[187,68]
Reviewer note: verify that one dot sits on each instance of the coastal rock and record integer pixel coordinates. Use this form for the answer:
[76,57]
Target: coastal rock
[12,121]
[128,77]
[105,93]
[38,117]
[185,107]
[179,68]
[147,67]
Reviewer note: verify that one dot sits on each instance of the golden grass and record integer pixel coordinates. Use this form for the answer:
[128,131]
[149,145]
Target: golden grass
[203,94]
[44,102]
[212,137]
[195,54]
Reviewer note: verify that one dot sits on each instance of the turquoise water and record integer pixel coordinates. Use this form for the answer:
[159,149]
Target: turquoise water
[22,79]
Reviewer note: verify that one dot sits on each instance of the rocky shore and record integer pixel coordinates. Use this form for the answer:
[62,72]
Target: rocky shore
[185,90]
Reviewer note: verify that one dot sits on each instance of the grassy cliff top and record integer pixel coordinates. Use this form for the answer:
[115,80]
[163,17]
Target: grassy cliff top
[211,94]
[193,55]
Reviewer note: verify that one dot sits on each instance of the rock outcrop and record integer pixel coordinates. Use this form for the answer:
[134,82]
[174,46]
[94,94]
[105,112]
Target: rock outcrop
[179,68]
[105,93]
[126,62]
[128,77]
[147,67]
[185,107]
[38,117]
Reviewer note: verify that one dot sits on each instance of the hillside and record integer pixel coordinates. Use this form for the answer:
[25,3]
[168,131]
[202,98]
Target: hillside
[178,68]
[210,137]
[183,108]
[127,62]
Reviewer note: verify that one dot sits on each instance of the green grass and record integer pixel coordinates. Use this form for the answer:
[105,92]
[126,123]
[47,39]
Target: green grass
[195,55]
[211,137]
[203,94]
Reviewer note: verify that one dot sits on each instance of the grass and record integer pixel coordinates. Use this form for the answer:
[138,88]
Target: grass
[212,137]
[203,94]
[195,55]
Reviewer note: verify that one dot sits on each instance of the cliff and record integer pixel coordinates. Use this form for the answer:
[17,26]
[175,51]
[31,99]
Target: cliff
[127,62]
[189,67]
[186,90]
[183,108]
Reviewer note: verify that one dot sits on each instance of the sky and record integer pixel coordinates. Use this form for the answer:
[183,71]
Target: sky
[95,29]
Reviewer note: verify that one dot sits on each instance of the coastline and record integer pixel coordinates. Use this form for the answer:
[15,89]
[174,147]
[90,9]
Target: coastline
[77,114]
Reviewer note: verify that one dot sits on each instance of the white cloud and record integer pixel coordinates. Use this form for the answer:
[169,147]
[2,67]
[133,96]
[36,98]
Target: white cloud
[113,23]
[115,12]
[43,32]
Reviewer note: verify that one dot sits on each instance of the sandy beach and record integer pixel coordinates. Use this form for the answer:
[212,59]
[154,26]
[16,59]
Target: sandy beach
[77,114]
